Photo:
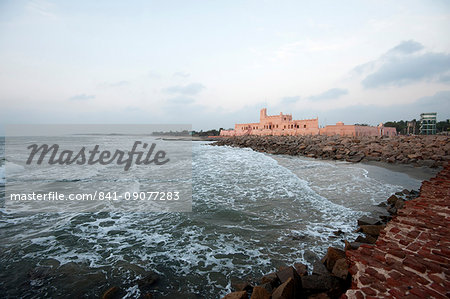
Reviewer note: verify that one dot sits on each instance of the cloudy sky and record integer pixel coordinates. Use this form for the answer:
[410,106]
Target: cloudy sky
[215,63]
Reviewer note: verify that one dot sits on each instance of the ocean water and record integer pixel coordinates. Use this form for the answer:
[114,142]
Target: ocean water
[252,212]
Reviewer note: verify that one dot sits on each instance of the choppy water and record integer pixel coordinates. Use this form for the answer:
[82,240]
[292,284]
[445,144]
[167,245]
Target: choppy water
[252,212]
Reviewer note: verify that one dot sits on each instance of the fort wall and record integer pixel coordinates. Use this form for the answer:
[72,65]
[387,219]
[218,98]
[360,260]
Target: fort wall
[284,125]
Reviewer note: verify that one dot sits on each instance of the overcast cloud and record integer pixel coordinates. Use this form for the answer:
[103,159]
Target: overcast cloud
[190,89]
[402,65]
[217,63]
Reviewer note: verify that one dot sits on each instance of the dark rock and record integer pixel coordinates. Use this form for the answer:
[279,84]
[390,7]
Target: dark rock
[415,193]
[392,199]
[271,278]
[298,237]
[319,269]
[268,286]
[111,293]
[285,290]
[355,159]
[392,210]
[237,295]
[318,283]
[391,160]
[352,245]
[382,204]
[365,220]
[368,239]
[338,232]
[260,293]
[290,273]
[333,254]
[340,268]
[380,213]
[319,296]
[399,204]
[241,286]
[301,269]
[148,281]
[285,273]
[373,230]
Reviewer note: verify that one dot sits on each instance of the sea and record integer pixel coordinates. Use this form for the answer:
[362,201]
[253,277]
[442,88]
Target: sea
[251,213]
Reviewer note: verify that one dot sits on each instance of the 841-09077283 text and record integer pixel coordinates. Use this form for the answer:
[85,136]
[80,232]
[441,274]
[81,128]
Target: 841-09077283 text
[103,196]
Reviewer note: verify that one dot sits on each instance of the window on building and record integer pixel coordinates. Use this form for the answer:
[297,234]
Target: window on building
[304,126]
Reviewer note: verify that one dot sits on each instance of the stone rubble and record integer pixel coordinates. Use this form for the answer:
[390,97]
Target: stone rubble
[429,151]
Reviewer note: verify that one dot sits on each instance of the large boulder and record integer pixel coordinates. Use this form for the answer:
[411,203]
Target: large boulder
[319,283]
[285,290]
[290,273]
[333,254]
[241,286]
[112,293]
[319,269]
[340,269]
[392,199]
[267,286]
[365,220]
[368,239]
[272,279]
[301,269]
[352,245]
[372,230]
[148,281]
[399,204]
[260,293]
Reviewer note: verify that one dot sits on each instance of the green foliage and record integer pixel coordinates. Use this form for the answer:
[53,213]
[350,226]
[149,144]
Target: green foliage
[443,126]
[401,126]
[202,133]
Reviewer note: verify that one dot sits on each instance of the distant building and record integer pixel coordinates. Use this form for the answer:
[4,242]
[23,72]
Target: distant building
[428,123]
[283,124]
[411,127]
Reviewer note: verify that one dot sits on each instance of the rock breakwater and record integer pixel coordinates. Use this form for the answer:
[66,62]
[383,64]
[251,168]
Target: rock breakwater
[430,151]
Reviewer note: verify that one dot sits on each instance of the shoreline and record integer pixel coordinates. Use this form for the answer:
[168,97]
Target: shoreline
[335,274]
[422,173]
[394,255]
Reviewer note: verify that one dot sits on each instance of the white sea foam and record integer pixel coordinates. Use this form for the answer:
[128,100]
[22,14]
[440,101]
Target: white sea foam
[251,213]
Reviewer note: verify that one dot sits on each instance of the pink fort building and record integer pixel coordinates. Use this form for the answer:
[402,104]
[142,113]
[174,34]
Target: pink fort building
[283,124]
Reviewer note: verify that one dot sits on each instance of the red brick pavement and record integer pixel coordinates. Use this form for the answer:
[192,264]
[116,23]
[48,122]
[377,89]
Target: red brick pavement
[411,258]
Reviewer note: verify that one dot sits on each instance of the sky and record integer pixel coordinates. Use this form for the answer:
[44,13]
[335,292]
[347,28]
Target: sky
[216,63]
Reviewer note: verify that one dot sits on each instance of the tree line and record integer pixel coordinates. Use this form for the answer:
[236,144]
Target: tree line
[402,126]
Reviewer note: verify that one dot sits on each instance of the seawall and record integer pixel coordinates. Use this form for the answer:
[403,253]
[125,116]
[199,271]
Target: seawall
[411,257]
[429,151]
